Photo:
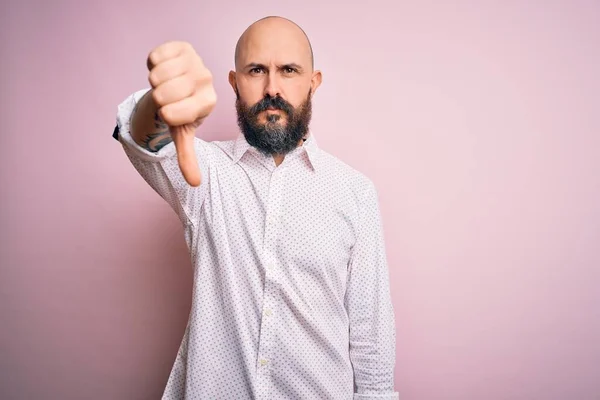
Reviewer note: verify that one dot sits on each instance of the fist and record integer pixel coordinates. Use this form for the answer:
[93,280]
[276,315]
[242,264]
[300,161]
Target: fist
[182,87]
[184,96]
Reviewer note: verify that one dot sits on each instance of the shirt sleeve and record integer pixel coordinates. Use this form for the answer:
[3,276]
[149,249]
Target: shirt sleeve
[369,307]
[161,169]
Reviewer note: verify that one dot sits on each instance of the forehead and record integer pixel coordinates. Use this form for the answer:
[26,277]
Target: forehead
[279,45]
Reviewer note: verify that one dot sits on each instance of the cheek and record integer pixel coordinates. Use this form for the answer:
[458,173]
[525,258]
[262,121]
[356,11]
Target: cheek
[297,93]
[250,92]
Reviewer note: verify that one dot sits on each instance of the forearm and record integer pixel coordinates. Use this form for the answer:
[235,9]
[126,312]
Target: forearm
[147,128]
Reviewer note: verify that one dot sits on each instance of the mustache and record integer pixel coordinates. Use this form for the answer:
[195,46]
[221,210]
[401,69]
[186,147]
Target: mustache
[272,102]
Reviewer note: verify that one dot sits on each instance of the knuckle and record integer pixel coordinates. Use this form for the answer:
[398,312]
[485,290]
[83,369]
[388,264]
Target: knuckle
[187,78]
[202,78]
[153,78]
[157,97]
[196,59]
[185,48]
[191,87]
[188,115]
[153,58]
[194,66]
[168,116]
[165,114]
[212,96]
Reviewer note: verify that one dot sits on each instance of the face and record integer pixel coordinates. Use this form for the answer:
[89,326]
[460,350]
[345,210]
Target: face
[274,83]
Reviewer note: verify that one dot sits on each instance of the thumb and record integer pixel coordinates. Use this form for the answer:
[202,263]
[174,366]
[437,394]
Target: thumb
[186,155]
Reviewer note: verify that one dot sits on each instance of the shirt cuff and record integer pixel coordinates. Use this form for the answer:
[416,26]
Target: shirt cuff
[385,396]
[122,131]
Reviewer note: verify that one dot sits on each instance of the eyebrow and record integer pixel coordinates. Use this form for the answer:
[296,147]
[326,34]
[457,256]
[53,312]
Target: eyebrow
[289,65]
[293,65]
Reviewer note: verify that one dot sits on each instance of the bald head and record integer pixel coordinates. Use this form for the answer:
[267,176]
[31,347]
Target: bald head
[274,37]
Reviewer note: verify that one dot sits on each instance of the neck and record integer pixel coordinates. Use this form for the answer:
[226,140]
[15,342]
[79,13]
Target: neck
[278,159]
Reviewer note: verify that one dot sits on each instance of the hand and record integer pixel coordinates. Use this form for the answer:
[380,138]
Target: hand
[184,95]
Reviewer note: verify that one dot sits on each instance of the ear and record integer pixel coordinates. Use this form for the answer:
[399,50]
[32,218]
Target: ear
[315,81]
[233,82]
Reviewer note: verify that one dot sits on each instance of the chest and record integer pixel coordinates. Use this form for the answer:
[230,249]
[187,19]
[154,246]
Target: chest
[305,217]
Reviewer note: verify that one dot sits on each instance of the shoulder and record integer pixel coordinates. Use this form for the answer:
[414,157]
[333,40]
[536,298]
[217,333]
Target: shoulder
[354,180]
[217,148]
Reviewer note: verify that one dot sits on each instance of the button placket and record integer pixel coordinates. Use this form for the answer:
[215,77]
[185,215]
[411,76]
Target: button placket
[272,212]
[267,335]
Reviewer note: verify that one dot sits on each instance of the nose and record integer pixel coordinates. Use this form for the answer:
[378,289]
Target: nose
[272,88]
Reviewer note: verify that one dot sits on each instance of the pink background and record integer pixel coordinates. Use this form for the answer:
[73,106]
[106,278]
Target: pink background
[478,122]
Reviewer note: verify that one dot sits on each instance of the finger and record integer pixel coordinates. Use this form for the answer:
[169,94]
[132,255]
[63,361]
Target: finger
[188,110]
[173,90]
[183,137]
[168,70]
[165,52]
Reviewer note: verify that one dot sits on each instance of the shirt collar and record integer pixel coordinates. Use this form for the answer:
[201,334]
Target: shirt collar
[240,147]
[310,147]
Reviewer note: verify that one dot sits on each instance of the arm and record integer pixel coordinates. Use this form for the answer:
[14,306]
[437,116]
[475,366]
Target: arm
[159,167]
[157,127]
[148,129]
[369,306]
[182,96]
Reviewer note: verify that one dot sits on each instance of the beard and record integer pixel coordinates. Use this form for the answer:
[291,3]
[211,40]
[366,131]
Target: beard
[274,136]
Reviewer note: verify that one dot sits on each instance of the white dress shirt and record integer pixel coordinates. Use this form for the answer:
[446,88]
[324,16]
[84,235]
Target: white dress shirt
[291,295]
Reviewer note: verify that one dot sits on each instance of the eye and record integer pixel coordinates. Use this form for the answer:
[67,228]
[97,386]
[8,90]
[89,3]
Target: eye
[256,70]
[289,70]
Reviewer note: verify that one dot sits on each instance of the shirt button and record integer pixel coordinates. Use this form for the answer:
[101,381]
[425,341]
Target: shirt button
[270,267]
[263,362]
[268,312]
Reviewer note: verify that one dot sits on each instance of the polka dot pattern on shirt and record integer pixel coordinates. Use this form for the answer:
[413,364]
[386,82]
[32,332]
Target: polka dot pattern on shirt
[291,294]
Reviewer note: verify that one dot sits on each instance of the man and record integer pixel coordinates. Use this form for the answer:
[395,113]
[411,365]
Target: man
[291,297]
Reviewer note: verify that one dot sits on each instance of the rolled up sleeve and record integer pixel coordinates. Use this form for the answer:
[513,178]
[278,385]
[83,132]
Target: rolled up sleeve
[161,169]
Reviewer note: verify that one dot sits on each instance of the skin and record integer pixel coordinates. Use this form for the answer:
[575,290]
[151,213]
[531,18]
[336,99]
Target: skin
[274,57]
